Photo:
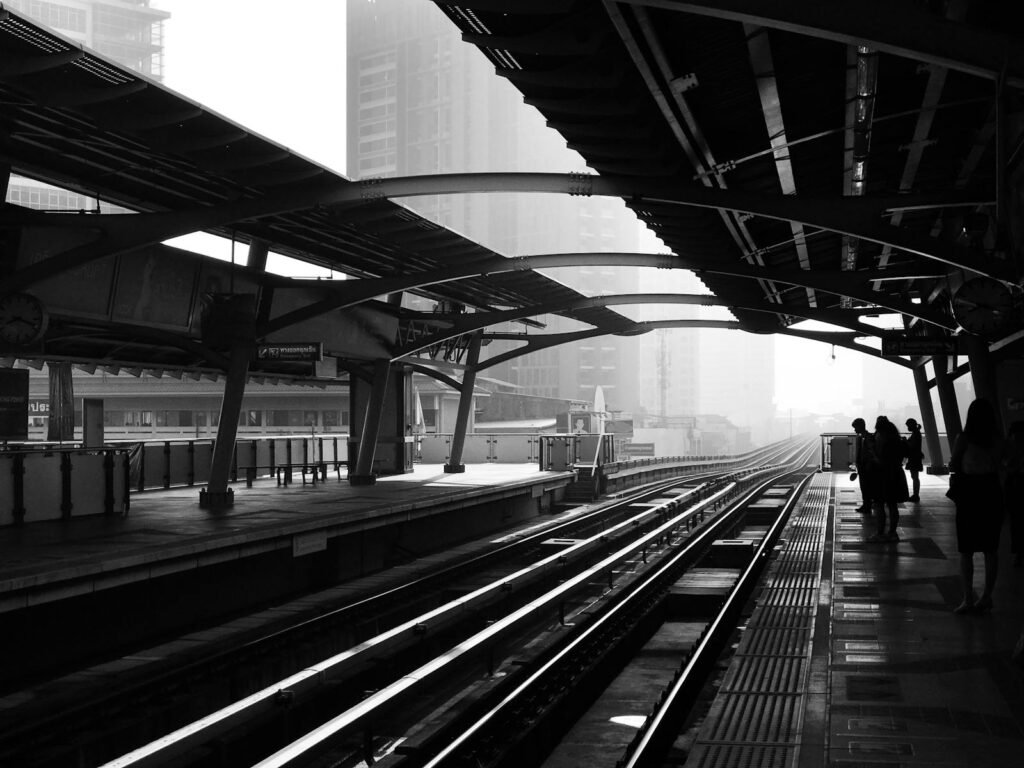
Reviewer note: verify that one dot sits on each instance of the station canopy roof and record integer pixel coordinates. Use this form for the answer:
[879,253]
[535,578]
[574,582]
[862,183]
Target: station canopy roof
[847,159]
[76,120]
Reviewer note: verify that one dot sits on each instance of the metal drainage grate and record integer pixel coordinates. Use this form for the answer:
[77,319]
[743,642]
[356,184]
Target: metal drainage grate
[778,617]
[765,674]
[753,717]
[740,756]
[775,642]
[801,594]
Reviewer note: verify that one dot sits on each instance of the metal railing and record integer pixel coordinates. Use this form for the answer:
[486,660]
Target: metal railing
[51,483]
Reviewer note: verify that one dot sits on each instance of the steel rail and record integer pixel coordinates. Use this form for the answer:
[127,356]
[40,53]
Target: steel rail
[172,745]
[308,680]
[650,744]
[297,752]
[638,592]
[355,716]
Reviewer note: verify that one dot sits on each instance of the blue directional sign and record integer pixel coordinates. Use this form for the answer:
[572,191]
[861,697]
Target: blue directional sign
[291,351]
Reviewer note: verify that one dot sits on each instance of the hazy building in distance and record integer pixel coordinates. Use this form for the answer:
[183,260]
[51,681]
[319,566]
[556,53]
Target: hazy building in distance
[669,357]
[422,101]
[737,380]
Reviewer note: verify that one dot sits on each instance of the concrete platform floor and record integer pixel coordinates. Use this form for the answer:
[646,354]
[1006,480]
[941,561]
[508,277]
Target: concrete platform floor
[166,524]
[911,683]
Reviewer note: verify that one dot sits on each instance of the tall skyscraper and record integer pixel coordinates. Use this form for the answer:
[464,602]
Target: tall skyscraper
[422,101]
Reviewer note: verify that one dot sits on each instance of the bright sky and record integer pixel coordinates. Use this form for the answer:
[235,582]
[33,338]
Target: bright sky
[280,71]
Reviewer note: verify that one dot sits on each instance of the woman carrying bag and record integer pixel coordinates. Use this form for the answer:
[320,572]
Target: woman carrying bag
[974,488]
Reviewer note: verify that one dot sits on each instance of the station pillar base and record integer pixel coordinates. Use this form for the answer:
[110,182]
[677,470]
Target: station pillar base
[216,499]
[454,469]
[362,479]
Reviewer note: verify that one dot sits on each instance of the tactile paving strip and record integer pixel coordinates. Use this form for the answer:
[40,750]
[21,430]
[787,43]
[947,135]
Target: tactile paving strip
[755,720]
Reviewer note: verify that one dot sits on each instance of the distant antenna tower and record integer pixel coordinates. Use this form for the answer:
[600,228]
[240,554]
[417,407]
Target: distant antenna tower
[662,373]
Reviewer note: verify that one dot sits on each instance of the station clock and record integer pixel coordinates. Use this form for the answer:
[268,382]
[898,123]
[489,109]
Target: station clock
[23,319]
[983,306]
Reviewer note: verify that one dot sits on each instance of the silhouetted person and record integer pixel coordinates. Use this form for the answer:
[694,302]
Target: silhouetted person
[888,480]
[863,460]
[915,455]
[974,486]
[1013,490]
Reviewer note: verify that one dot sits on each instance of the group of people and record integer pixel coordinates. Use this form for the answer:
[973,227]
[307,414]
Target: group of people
[986,483]
[878,458]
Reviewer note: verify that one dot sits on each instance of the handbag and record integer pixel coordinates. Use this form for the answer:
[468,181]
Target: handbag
[955,488]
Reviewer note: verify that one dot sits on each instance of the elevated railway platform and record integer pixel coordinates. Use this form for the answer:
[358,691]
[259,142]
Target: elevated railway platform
[169,562]
[848,654]
[166,531]
[876,669]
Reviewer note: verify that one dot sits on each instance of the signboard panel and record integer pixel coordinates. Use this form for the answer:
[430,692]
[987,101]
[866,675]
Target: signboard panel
[619,427]
[894,346]
[638,449]
[296,351]
[14,404]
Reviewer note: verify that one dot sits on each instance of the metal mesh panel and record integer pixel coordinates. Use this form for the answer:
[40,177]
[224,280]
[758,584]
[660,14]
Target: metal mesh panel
[756,719]
[760,674]
[752,717]
[741,756]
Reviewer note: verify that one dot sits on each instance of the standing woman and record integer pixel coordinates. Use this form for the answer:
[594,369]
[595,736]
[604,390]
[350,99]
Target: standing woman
[914,456]
[889,487]
[975,464]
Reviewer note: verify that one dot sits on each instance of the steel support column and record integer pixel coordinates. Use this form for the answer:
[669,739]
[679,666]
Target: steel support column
[983,372]
[947,398]
[465,403]
[930,429]
[217,494]
[363,474]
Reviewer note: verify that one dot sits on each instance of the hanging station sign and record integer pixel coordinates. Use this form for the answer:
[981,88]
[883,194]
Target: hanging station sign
[894,346]
[291,351]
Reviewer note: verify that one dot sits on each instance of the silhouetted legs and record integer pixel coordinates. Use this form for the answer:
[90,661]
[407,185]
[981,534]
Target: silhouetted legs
[970,602]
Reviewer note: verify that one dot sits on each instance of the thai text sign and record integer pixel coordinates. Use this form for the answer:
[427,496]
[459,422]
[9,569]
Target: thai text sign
[300,351]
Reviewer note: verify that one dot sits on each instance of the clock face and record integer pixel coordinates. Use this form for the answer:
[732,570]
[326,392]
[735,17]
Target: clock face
[983,306]
[22,319]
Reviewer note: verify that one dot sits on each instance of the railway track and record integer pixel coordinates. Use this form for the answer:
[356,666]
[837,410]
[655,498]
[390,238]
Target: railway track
[522,717]
[354,648]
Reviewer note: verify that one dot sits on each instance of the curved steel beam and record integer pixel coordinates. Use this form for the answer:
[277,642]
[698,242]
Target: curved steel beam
[537,343]
[856,216]
[843,339]
[534,343]
[856,284]
[478,320]
[433,373]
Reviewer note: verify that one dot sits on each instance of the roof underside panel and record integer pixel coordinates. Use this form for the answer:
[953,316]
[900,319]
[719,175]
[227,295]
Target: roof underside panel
[657,89]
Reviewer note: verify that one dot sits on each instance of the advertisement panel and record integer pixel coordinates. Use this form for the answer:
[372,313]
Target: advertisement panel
[13,404]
